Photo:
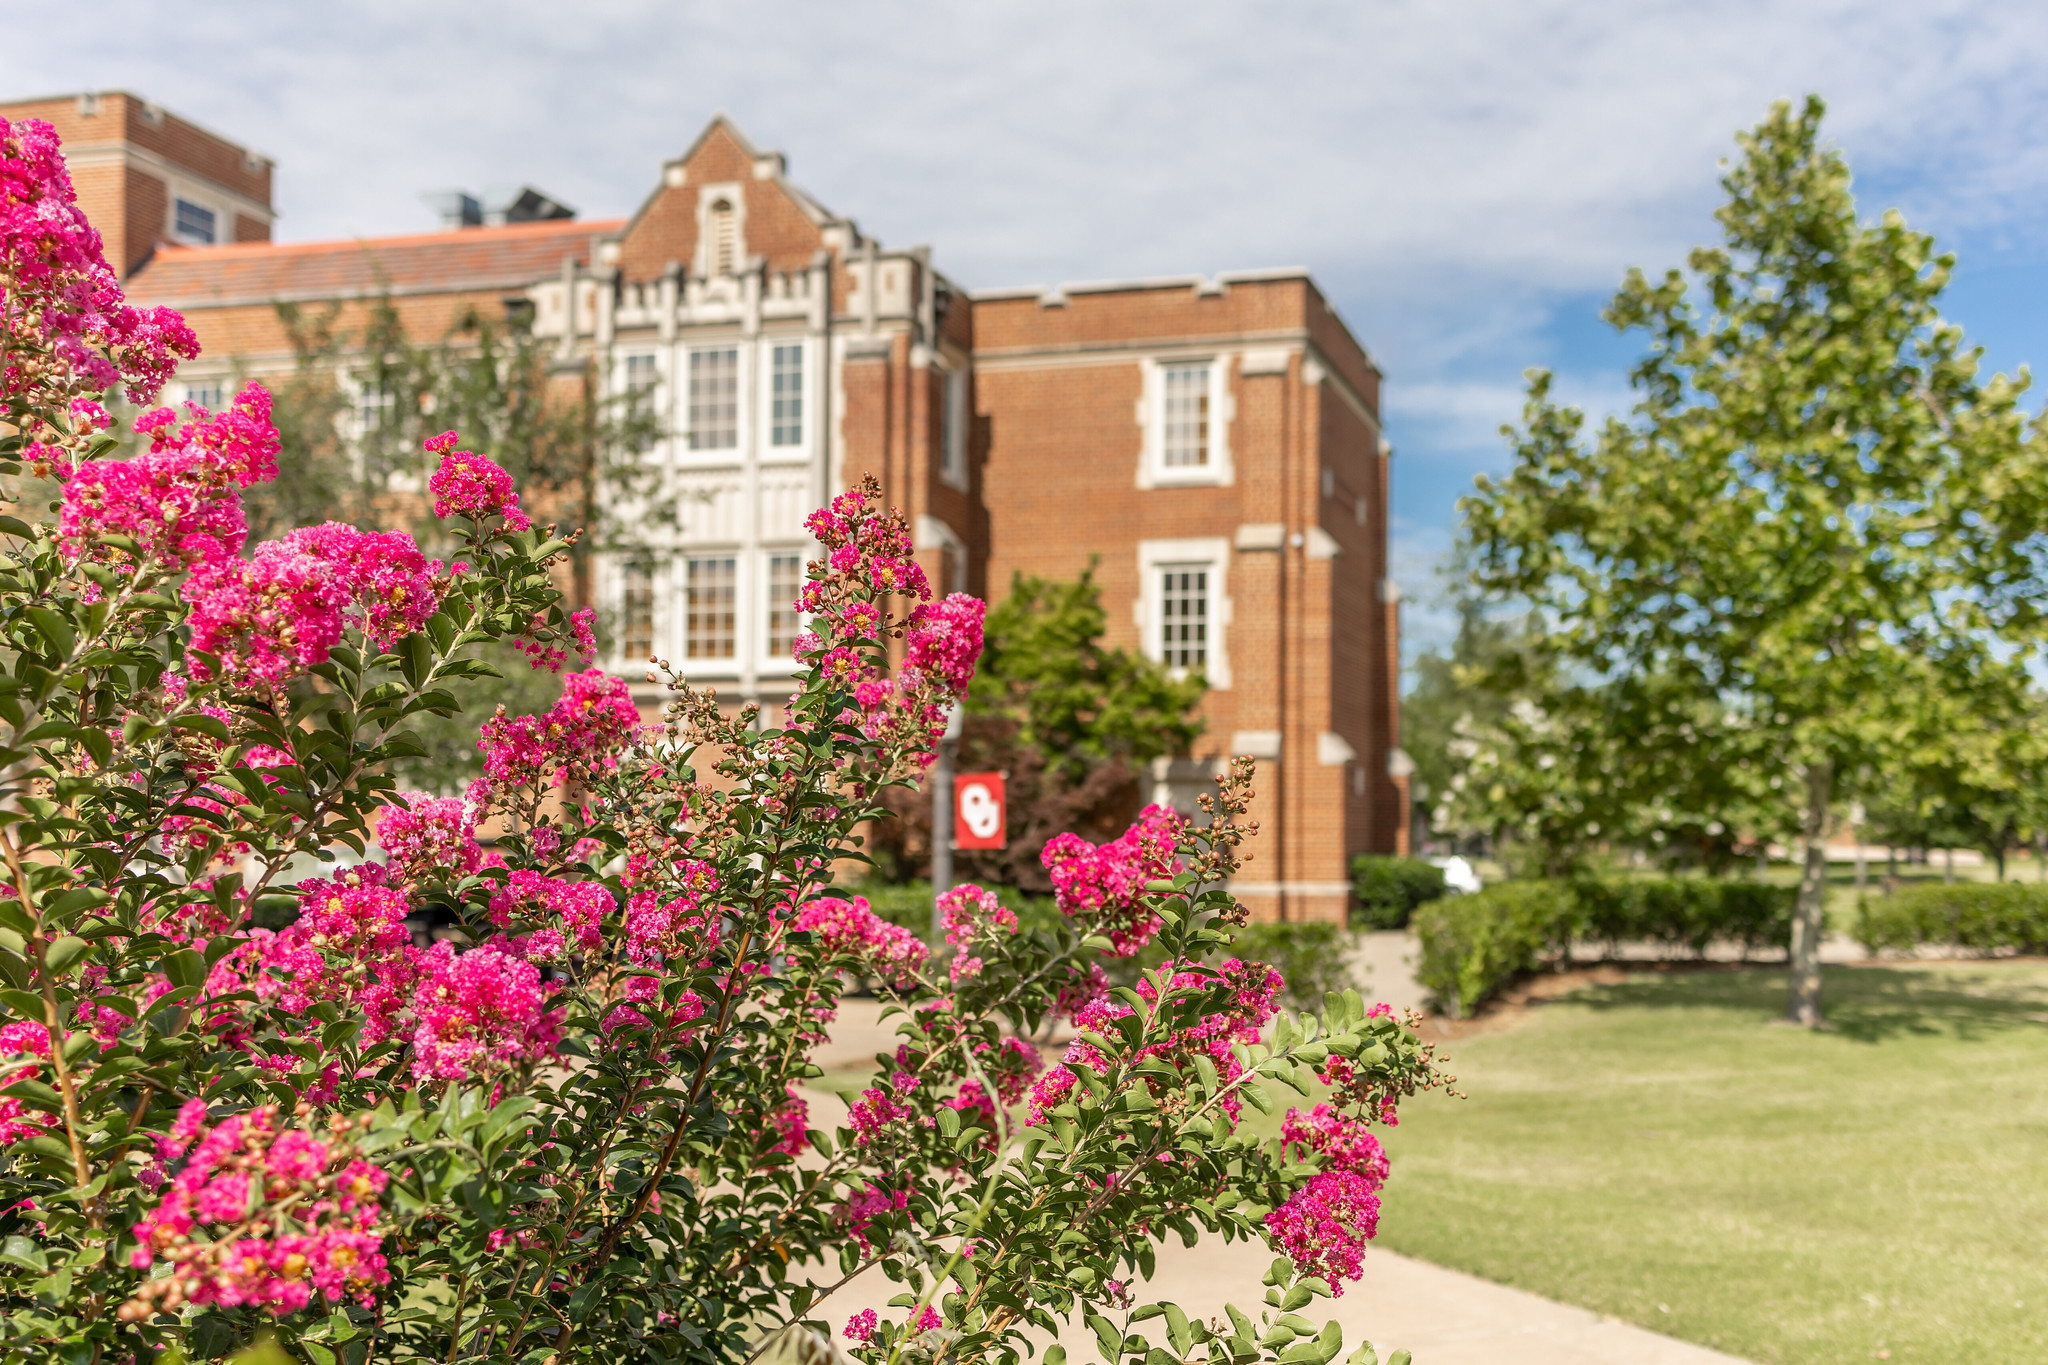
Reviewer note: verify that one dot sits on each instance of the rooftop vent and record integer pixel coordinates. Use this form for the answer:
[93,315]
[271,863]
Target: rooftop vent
[494,208]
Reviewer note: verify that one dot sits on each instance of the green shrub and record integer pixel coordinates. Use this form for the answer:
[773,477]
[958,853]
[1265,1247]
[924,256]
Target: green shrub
[1985,917]
[1687,913]
[1390,889]
[1473,946]
[1315,958]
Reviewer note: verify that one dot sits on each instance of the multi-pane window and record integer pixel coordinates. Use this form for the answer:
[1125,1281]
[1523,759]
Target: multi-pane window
[374,405]
[643,372]
[195,223]
[711,619]
[714,399]
[1184,439]
[786,396]
[785,580]
[1184,615]
[636,613]
[207,396]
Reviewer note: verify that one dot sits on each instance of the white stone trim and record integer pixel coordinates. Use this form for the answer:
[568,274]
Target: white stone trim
[1333,750]
[734,193]
[1258,743]
[1212,551]
[1290,888]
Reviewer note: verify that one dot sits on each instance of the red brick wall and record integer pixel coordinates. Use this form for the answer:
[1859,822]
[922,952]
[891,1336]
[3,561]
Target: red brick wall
[145,203]
[129,207]
[1307,639]
[666,227]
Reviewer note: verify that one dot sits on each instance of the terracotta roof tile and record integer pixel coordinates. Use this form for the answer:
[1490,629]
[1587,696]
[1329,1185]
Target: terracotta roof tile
[468,258]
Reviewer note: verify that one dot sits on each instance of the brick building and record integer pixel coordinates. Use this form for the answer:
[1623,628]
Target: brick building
[1213,445]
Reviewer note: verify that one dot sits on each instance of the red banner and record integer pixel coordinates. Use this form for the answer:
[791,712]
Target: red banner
[978,815]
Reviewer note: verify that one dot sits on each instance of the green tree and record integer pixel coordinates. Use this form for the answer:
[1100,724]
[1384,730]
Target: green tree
[1816,518]
[1044,666]
[1458,689]
[1071,724]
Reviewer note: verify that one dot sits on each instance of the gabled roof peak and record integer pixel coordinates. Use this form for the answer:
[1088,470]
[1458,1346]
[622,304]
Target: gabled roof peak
[767,164]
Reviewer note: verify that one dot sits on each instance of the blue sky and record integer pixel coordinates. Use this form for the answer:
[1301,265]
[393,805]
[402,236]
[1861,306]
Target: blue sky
[1468,180]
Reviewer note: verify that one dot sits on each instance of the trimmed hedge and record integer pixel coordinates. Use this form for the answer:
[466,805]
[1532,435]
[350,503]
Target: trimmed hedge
[1390,889]
[1984,917]
[1473,946]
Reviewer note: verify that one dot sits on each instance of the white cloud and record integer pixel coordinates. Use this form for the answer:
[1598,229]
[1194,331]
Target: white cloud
[1451,169]
[1389,145]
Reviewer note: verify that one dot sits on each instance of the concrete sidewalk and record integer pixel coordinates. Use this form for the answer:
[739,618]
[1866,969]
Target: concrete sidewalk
[1441,1316]
[1444,1317]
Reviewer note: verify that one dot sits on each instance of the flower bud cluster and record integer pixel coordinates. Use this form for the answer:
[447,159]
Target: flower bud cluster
[260,1216]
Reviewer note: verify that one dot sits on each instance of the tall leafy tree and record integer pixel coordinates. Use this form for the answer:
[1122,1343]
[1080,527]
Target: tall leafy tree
[1044,666]
[1816,517]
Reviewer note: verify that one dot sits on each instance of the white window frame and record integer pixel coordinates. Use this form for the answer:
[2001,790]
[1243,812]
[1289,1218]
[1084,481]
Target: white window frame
[742,417]
[210,393]
[767,659]
[954,419]
[1213,554]
[222,221]
[806,395]
[741,595]
[1153,471]
[661,578]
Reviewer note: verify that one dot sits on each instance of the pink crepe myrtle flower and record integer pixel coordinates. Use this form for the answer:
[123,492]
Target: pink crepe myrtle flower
[862,1326]
[1324,1226]
[792,1122]
[851,928]
[873,1114]
[659,927]
[18,1121]
[391,585]
[470,485]
[478,1011]
[1343,1142]
[972,915]
[429,838]
[867,1205]
[944,639]
[1104,885]
[65,300]
[281,1215]
[1252,989]
[575,909]
[267,620]
[593,718]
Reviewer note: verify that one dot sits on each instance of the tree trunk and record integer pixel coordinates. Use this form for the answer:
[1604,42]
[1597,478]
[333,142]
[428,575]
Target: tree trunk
[1948,867]
[1809,917]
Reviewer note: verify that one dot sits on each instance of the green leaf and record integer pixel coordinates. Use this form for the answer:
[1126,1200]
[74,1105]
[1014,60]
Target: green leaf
[62,955]
[54,629]
[199,723]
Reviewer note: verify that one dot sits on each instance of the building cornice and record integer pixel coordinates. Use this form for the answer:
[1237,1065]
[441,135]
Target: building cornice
[103,153]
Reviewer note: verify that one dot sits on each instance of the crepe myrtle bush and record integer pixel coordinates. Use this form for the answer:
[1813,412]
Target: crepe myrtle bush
[235,1107]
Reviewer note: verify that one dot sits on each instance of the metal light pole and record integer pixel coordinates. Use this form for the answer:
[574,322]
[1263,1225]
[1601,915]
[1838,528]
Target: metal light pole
[942,822]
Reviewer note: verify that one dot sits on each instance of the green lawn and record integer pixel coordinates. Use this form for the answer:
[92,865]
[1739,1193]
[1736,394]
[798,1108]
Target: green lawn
[1659,1151]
